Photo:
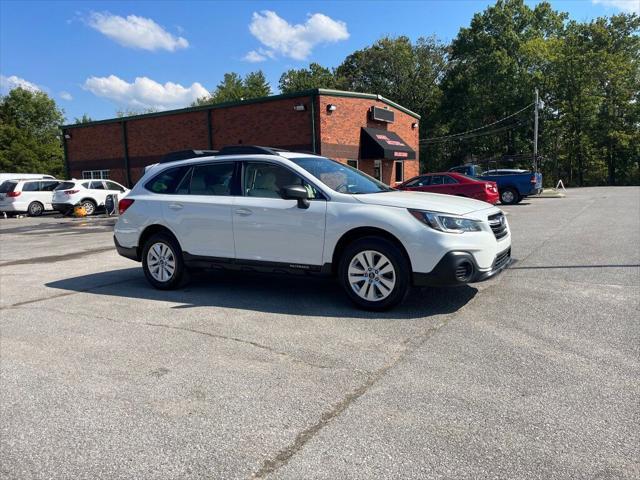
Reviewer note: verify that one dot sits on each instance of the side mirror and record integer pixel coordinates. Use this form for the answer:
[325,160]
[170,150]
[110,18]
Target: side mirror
[296,192]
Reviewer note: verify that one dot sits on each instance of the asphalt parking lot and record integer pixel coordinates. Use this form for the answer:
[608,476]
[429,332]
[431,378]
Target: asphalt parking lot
[534,374]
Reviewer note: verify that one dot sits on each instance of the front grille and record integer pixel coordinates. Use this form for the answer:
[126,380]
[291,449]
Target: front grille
[502,259]
[498,225]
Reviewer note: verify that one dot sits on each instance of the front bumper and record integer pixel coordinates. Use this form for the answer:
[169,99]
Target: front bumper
[460,268]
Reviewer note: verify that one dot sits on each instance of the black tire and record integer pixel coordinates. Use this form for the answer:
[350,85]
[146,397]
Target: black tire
[401,270]
[35,209]
[89,205]
[509,196]
[179,274]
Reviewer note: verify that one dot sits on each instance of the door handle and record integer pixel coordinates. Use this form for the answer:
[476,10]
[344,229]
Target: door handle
[175,206]
[244,212]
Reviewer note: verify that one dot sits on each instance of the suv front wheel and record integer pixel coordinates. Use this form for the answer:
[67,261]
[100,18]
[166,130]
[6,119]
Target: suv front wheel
[374,273]
[162,262]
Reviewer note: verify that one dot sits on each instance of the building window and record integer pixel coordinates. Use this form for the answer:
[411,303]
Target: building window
[399,171]
[353,163]
[95,174]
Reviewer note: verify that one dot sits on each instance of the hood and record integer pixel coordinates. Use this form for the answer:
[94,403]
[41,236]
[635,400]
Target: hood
[425,201]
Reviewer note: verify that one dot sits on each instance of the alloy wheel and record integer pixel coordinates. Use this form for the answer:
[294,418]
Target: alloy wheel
[161,262]
[508,196]
[89,208]
[372,276]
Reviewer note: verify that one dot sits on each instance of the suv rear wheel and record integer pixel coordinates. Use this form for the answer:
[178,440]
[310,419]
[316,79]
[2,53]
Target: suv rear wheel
[374,273]
[162,262]
[35,209]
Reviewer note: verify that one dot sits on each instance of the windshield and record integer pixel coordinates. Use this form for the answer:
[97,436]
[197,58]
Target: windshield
[340,177]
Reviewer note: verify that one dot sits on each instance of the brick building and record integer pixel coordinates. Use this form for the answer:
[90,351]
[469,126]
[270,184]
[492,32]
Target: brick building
[367,131]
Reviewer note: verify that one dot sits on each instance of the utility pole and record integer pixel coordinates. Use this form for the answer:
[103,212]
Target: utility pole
[535,132]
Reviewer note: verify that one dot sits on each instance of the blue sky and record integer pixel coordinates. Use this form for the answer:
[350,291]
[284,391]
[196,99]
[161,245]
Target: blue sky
[97,57]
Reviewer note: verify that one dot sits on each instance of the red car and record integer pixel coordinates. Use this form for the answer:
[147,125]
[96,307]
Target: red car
[453,184]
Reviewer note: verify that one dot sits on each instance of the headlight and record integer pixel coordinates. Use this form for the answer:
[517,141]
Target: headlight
[446,223]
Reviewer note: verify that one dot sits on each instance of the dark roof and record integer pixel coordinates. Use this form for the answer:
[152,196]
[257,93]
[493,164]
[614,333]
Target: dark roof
[378,144]
[304,93]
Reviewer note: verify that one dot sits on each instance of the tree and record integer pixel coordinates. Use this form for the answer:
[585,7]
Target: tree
[234,88]
[130,112]
[497,62]
[256,85]
[409,74]
[84,119]
[30,133]
[316,76]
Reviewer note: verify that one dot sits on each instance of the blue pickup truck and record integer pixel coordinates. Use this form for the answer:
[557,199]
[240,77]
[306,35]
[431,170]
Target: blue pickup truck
[513,184]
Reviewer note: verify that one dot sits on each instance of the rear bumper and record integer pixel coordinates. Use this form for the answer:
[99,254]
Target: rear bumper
[128,252]
[13,207]
[460,268]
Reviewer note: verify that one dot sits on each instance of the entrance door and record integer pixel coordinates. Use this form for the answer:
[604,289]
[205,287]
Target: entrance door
[377,169]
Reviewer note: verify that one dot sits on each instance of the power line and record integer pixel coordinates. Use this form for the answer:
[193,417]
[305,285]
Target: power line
[477,134]
[446,137]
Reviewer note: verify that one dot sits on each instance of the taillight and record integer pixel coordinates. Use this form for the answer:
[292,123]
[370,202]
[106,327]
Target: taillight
[13,194]
[124,204]
[533,179]
[70,192]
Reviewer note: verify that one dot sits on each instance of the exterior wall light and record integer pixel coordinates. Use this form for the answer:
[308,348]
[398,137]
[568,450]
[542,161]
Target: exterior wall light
[299,108]
[331,107]
[414,125]
[67,136]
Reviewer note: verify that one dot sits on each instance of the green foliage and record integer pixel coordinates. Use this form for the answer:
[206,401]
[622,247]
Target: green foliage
[84,119]
[130,112]
[407,73]
[316,76]
[29,133]
[234,88]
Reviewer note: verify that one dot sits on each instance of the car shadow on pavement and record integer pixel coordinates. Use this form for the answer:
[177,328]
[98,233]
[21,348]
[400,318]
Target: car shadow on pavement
[286,294]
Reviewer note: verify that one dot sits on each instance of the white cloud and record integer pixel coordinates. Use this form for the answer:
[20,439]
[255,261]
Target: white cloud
[135,32]
[66,96]
[144,92]
[254,57]
[9,83]
[294,41]
[628,6]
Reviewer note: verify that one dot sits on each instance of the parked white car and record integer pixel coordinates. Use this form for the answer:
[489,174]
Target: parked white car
[91,194]
[27,196]
[305,214]
[24,176]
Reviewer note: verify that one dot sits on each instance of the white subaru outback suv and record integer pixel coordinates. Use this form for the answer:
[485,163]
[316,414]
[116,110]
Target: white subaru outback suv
[301,213]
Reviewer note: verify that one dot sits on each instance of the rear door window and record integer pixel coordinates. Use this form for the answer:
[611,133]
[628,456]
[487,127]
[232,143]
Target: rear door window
[212,179]
[448,179]
[168,180]
[31,186]
[96,185]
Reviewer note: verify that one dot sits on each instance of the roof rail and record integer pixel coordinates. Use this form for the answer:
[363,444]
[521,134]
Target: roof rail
[248,149]
[185,154]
